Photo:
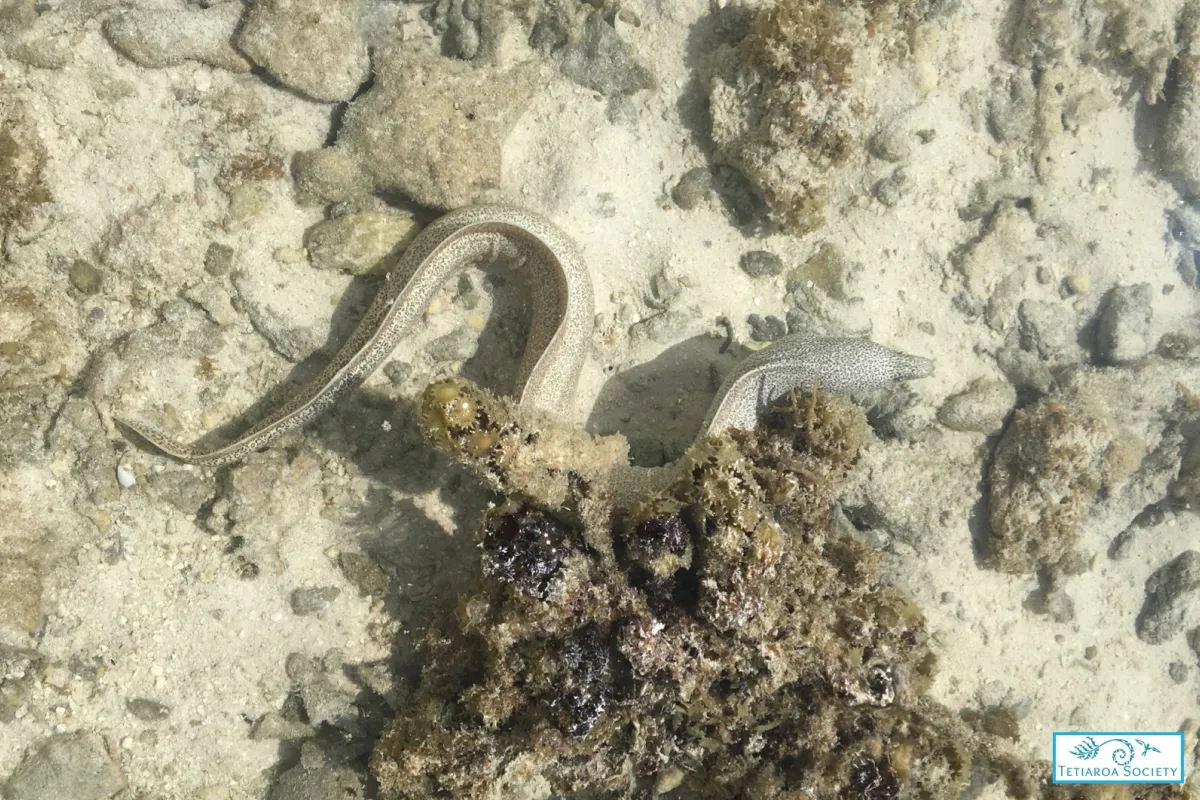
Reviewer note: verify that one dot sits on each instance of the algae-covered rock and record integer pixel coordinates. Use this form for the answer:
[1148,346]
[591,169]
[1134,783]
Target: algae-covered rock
[22,160]
[782,103]
[713,634]
[1047,469]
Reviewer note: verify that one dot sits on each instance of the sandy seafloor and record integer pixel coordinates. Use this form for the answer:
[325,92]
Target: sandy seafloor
[94,573]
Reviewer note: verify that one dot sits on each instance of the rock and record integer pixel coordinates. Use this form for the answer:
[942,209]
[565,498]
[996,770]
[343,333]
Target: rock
[1178,672]
[147,710]
[215,300]
[364,573]
[187,490]
[22,165]
[84,277]
[315,778]
[894,188]
[983,407]
[694,188]
[896,412]
[1179,144]
[761,264]
[1184,224]
[430,128]
[324,703]
[20,598]
[1045,330]
[891,143]
[358,242]
[275,726]
[827,270]
[313,46]
[218,259]
[75,766]
[1053,602]
[309,600]
[164,38]
[766,329]
[1172,599]
[662,327]
[1046,472]
[1177,345]
[19,671]
[762,91]
[1024,370]
[1123,329]
[603,61]
[281,325]
[457,345]
[184,332]
[398,372]
[1188,268]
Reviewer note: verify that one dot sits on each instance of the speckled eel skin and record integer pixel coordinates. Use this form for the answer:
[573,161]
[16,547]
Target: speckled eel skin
[559,337]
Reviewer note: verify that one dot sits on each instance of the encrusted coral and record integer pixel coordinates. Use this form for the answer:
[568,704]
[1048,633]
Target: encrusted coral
[713,640]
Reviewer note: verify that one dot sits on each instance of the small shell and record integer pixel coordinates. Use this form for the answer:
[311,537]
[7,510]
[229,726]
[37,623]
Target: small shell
[125,476]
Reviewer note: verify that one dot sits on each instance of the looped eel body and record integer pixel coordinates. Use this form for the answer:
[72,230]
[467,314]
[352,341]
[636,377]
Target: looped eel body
[560,333]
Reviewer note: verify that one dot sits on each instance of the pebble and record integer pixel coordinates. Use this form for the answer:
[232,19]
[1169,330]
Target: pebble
[1123,329]
[983,407]
[84,277]
[458,345]
[1172,599]
[766,329]
[125,476]
[892,189]
[663,327]
[147,710]
[273,725]
[890,144]
[1078,284]
[761,264]
[218,259]
[309,600]
[694,188]
[397,372]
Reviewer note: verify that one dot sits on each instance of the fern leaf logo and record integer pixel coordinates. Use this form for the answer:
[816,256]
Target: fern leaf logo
[1086,750]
